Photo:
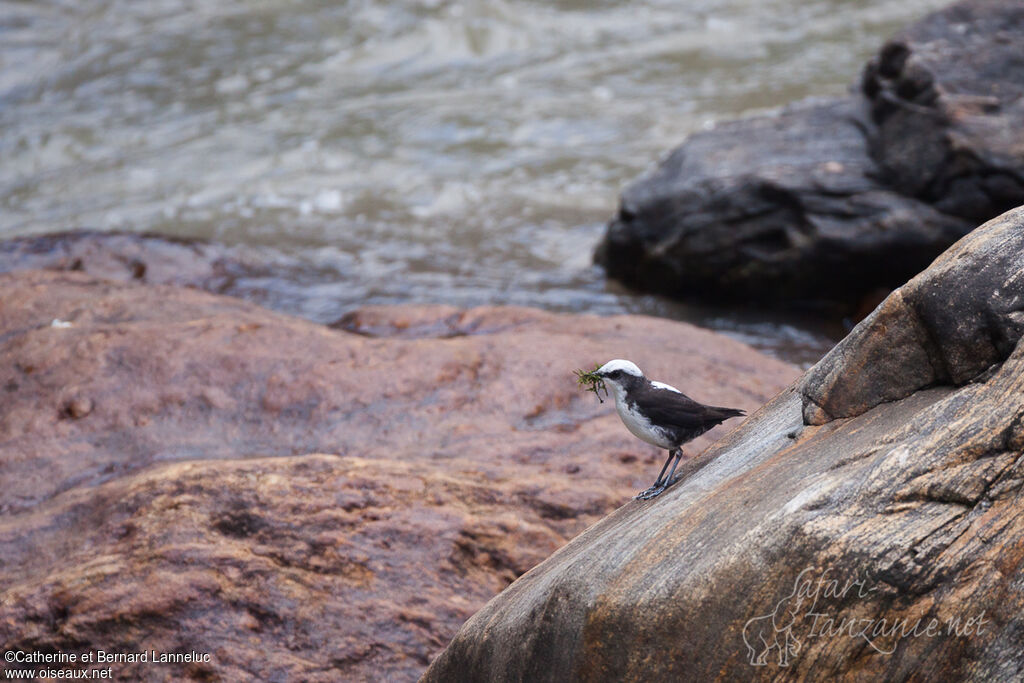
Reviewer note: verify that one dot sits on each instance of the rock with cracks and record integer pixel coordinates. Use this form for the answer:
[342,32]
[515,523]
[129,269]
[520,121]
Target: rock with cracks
[882,541]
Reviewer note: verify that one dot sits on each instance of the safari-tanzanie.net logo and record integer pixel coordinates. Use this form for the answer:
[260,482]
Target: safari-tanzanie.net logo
[811,610]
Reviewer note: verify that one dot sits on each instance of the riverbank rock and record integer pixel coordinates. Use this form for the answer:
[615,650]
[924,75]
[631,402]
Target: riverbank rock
[260,274]
[126,257]
[834,199]
[885,544]
[188,472]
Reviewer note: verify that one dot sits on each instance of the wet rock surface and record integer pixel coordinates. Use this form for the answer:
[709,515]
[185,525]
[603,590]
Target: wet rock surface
[885,545]
[315,289]
[124,257]
[835,199]
[184,471]
[264,275]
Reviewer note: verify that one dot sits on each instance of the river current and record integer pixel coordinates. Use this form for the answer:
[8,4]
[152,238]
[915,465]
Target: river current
[453,151]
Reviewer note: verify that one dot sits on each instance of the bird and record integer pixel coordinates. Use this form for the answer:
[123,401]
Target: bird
[659,414]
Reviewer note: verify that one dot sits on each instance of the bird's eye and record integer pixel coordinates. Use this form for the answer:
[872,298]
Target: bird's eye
[615,374]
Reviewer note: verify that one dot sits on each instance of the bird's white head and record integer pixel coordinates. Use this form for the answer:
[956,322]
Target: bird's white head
[620,374]
[622,366]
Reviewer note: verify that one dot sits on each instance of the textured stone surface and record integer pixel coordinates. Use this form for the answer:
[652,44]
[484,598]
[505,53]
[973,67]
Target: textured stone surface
[771,208]
[884,546]
[947,97]
[948,325]
[184,471]
[123,256]
[260,274]
[834,199]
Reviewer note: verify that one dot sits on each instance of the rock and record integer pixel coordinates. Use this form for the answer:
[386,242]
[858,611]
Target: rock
[129,257]
[947,98]
[833,199]
[78,407]
[260,274]
[785,207]
[948,325]
[188,472]
[884,545]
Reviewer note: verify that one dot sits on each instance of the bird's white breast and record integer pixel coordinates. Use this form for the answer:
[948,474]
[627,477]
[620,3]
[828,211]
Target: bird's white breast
[639,425]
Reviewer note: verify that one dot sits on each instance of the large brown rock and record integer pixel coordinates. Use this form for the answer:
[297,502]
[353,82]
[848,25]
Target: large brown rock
[834,199]
[886,545]
[948,325]
[183,471]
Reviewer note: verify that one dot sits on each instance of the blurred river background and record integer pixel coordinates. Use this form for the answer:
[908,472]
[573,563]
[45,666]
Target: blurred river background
[441,151]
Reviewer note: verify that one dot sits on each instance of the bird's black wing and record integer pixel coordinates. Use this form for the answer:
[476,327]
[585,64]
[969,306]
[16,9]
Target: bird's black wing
[679,411]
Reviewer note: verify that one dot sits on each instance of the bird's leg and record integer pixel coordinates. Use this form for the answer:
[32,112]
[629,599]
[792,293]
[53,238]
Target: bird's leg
[659,483]
[679,456]
[664,467]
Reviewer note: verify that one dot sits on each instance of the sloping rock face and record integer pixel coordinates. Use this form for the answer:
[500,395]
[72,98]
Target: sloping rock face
[887,544]
[835,199]
[186,472]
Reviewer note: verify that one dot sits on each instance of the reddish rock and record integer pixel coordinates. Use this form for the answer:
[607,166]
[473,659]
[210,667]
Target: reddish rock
[155,259]
[190,472]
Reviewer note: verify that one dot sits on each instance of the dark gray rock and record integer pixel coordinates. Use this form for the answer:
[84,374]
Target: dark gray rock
[947,97]
[888,545]
[836,199]
[770,208]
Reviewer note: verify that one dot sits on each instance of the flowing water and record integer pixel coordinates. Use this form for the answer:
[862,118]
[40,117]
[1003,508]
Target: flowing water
[452,151]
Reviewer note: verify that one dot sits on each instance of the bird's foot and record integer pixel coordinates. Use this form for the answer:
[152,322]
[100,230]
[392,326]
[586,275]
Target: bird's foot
[652,492]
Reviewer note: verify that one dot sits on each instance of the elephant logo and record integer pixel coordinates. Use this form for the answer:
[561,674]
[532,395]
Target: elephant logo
[774,632]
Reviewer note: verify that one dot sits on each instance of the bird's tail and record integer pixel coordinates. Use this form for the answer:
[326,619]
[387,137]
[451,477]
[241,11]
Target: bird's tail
[726,413]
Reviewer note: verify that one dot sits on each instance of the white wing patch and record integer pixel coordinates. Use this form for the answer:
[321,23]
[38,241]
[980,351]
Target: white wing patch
[667,387]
